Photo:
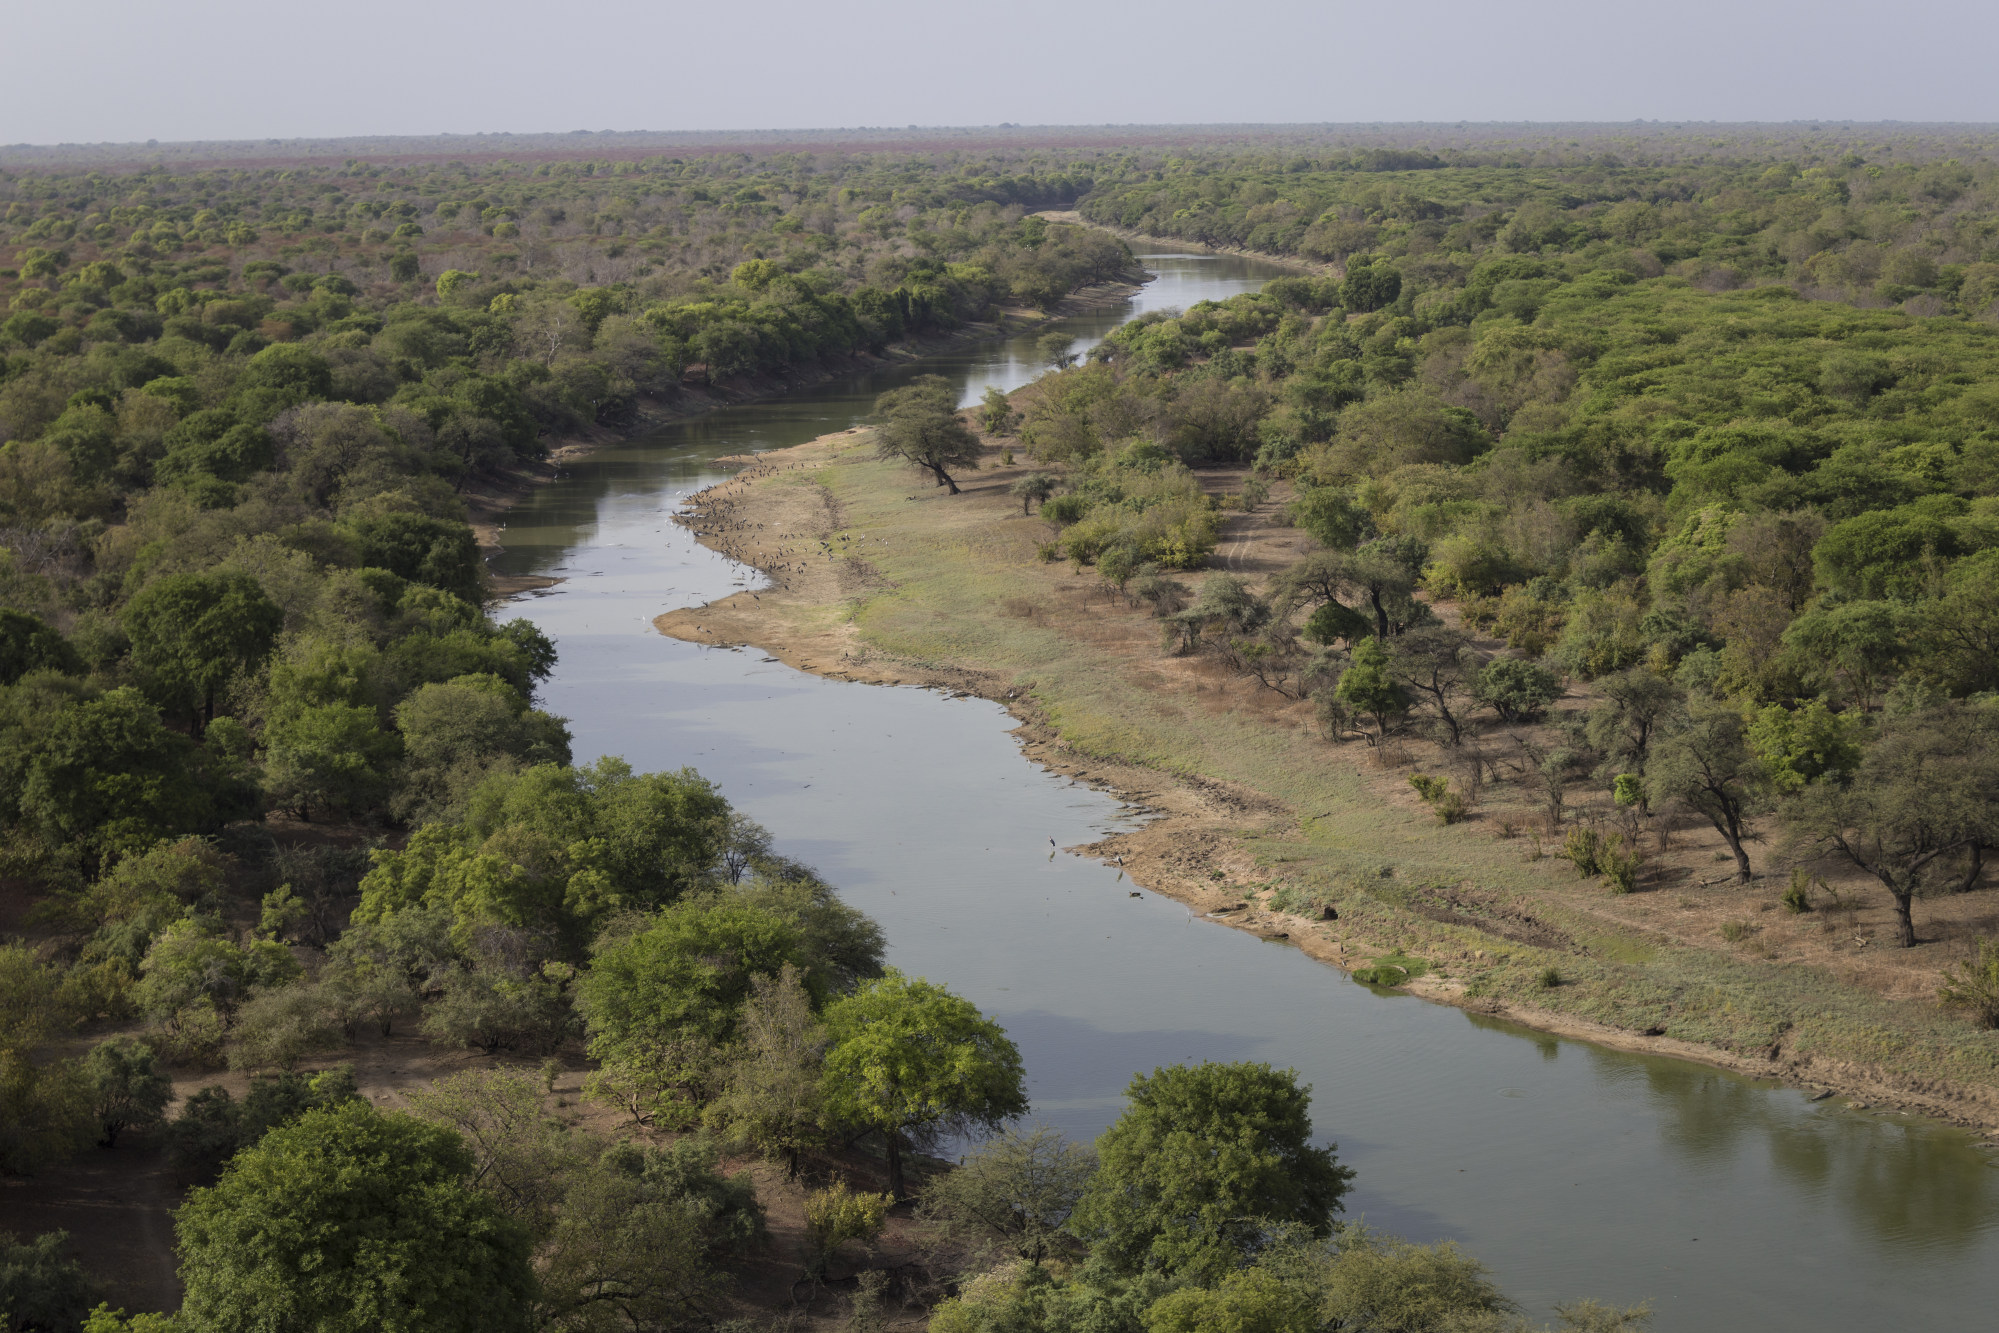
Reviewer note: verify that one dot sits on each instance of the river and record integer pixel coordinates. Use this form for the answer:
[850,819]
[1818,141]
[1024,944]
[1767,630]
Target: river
[1570,1170]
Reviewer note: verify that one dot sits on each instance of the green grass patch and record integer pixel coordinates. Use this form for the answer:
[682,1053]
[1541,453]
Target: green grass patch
[1395,969]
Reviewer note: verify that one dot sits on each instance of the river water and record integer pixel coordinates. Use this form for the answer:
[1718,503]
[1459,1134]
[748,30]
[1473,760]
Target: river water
[1723,1202]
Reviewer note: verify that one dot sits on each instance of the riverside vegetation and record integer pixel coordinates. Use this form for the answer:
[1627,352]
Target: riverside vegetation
[1639,509]
[272,777]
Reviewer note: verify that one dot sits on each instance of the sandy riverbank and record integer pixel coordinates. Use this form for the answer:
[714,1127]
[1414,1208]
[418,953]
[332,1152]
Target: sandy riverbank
[880,577]
[488,501]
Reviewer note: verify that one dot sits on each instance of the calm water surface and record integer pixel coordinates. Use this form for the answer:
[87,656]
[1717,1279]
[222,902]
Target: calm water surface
[1725,1203]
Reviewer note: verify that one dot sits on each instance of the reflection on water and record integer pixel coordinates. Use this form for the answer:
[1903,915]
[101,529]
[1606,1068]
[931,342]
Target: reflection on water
[1917,1188]
[1571,1170]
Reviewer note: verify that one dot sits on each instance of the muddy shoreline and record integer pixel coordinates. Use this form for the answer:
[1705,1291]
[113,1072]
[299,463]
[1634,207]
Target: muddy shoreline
[1196,825]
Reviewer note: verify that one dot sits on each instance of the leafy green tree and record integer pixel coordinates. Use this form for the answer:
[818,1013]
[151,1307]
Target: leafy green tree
[329,756]
[1854,645]
[1370,283]
[1921,809]
[126,1091]
[281,1025]
[1517,690]
[426,550]
[1018,1189]
[1705,763]
[497,1005]
[104,775]
[1368,686]
[1205,1161]
[193,633]
[1637,705]
[349,1219]
[1378,1282]
[195,966]
[1255,1300]
[45,1105]
[455,732]
[996,414]
[910,1060]
[26,644]
[42,1290]
[918,424]
[213,1126]
[1959,634]
[661,1001]
[1332,518]
[1802,746]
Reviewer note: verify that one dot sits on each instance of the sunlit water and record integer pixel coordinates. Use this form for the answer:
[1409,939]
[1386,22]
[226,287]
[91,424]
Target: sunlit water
[1725,1203]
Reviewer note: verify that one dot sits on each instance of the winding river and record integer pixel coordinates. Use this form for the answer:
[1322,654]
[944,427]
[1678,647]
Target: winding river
[1723,1202]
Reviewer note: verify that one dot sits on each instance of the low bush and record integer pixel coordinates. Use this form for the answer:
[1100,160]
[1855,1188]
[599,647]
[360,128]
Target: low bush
[1974,985]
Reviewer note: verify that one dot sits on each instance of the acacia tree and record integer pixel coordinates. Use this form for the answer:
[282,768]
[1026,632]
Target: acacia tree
[1439,667]
[1706,764]
[1204,1163]
[126,1091]
[1637,703]
[1033,489]
[919,425]
[1926,794]
[910,1060]
[1019,1189]
[773,1097]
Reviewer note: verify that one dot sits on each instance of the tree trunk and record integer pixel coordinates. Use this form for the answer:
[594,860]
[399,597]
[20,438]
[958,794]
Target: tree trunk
[894,1142]
[944,478]
[1726,817]
[1380,614]
[1973,871]
[1905,926]
[1742,872]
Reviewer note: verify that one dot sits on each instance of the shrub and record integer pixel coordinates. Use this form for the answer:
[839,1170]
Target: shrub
[1619,864]
[1449,805]
[1583,849]
[1548,978]
[1974,985]
[1735,932]
[1065,508]
[1518,691]
[837,1215]
[1427,787]
[278,1028]
[1798,893]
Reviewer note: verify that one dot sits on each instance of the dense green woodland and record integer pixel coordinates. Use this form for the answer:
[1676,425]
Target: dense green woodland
[1718,436]
[1717,431]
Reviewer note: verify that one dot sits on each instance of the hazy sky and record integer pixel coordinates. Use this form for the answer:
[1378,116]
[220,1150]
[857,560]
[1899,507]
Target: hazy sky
[95,70]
